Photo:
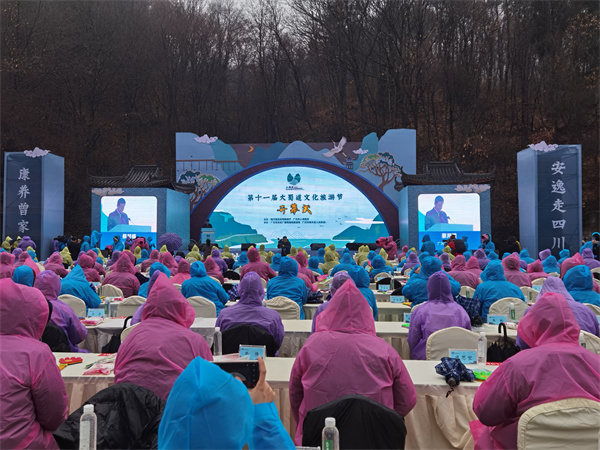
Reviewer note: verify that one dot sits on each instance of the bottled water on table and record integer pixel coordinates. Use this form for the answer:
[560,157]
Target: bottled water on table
[482,349]
[331,435]
[87,429]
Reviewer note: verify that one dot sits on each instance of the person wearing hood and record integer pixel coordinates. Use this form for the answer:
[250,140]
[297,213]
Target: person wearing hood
[564,254]
[544,254]
[85,245]
[66,257]
[275,261]
[76,284]
[87,264]
[569,263]
[201,284]
[487,244]
[241,261]
[461,274]
[33,395]
[514,246]
[209,408]
[183,272]
[227,254]
[448,250]
[16,252]
[288,284]
[144,256]
[362,255]
[26,242]
[114,257]
[411,262]
[494,287]
[212,270]
[426,238]
[302,261]
[473,265]
[321,255]
[143,292]
[535,270]
[194,253]
[580,283]
[429,248]
[32,254]
[556,367]
[585,317]
[63,315]
[24,259]
[481,257]
[379,266]
[268,258]
[345,343]
[313,265]
[262,252]
[167,259]
[123,277]
[249,310]
[391,248]
[337,281]
[137,253]
[446,264]
[361,279]
[346,263]
[370,256]
[550,265]
[588,258]
[118,245]
[6,265]
[332,249]
[512,271]
[439,312]
[6,244]
[524,255]
[415,289]
[256,265]
[154,254]
[330,262]
[24,275]
[162,345]
[98,262]
[216,255]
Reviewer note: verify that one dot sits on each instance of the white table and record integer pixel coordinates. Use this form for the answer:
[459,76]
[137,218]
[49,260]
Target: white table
[388,312]
[436,422]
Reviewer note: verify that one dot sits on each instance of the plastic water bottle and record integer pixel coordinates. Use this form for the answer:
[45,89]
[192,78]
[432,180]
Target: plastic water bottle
[218,342]
[511,312]
[582,339]
[330,435]
[482,349]
[87,429]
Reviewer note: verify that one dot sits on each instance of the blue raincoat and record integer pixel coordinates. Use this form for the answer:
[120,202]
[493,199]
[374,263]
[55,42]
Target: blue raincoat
[200,284]
[346,263]
[379,266]
[241,261]
[287,284]
[564,254]
[23,275]
[275,261]
[415,289]
[77,285]
[361,279]
[494,287]
[85,245]
[143,292]
[580,284]
[321,255]
[313,264]
[551,265]
[525,256]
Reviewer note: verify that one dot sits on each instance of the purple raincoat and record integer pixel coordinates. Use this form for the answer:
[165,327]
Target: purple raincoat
[345,357]
[481,257]
[411,261]
[554,368]
[250,311]
[162,345]
[32,393]
[588,258]
[216,255]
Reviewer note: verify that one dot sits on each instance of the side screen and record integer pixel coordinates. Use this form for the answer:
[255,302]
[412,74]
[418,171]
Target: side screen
[127,217]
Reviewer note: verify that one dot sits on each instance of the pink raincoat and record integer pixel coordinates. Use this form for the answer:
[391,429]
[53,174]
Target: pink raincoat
[122,276]
[535,270]
[151,260]
[212,269]
[345,357]
[99,268]
[6,265]
[512,271]
[256,265]
[183,272]
[25,260]
[460,273]
[569,263]
[554,368]
[162,345]
[33,398]
[473,266]
[88,266]
[55,264]
[390,248]
[167,259]
[303,267]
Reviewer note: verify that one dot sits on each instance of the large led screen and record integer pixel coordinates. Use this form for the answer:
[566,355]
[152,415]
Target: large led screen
[307,205]
[442,215]
[127,217]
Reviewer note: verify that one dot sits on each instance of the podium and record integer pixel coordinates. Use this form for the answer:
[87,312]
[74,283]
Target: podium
[449,228]
[207,233]
[130,229]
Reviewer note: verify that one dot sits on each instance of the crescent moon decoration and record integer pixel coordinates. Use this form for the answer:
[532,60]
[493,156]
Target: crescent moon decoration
[251,149]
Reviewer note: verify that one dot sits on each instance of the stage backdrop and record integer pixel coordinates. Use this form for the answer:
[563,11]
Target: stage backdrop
[34,190]
[370,165]
[465,212]
[550,205]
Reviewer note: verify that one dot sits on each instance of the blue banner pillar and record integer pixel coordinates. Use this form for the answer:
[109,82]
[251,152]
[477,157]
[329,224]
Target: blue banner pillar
[550,202]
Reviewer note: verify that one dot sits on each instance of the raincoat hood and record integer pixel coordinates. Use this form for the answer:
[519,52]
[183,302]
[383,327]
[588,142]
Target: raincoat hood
[321,252]
[66,256]
[480,254]
[160,268]
[445,259]
[76,274]
[472,263]
[429,247]
[511,262]
[163,249]
[438,288]
[154,254]
[242,259]
[216,253]
[492,256]
[288,267]
[184,266]
[113,258]
[569,263]
[251,290]
[48,283]
[338,280]
[293,252]
[347,259]
[347,313]
[253,255]
[564,253]
[167,259]
[544,254]
[198,269]
[370,256]
[377,263]
[412,258]
[330,257]
[579,278]
[360,277]
[23,310]
[206,394]
[166,302]
[211,266]
[8,258]
[302,261]
[535,267]
[137,253]
[524,253]
[124,264]
[549,321]
[429,266]
[23,275]
[556,285]
[17,251]
[86,262]
[313,263]
[587,253]
[551,265]
[493,272]
[276,260]
[460,264]
[145,254]
[55,258]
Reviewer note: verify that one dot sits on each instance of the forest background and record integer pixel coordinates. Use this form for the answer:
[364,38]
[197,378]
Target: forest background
[107,84]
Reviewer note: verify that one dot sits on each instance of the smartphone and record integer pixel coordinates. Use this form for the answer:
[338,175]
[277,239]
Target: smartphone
[246,371]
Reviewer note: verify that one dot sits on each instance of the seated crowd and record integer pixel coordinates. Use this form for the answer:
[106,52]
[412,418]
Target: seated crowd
[343,340]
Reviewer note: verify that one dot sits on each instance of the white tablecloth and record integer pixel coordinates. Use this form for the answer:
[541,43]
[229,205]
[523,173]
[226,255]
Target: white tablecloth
[436,422]
[387,312]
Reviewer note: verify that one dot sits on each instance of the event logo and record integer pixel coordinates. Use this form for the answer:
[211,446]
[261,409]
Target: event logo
[293,180]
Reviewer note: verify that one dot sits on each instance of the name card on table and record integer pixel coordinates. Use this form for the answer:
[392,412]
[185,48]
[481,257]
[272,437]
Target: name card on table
[252,352]
[598,317]
[465,356]
[95,312]
[537,288]
[407,317]
[495,320]
[396,298]
[383,287]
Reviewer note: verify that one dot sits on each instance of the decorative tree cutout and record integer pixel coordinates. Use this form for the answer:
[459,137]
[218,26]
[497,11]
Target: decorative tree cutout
[204,182]
[382,165]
